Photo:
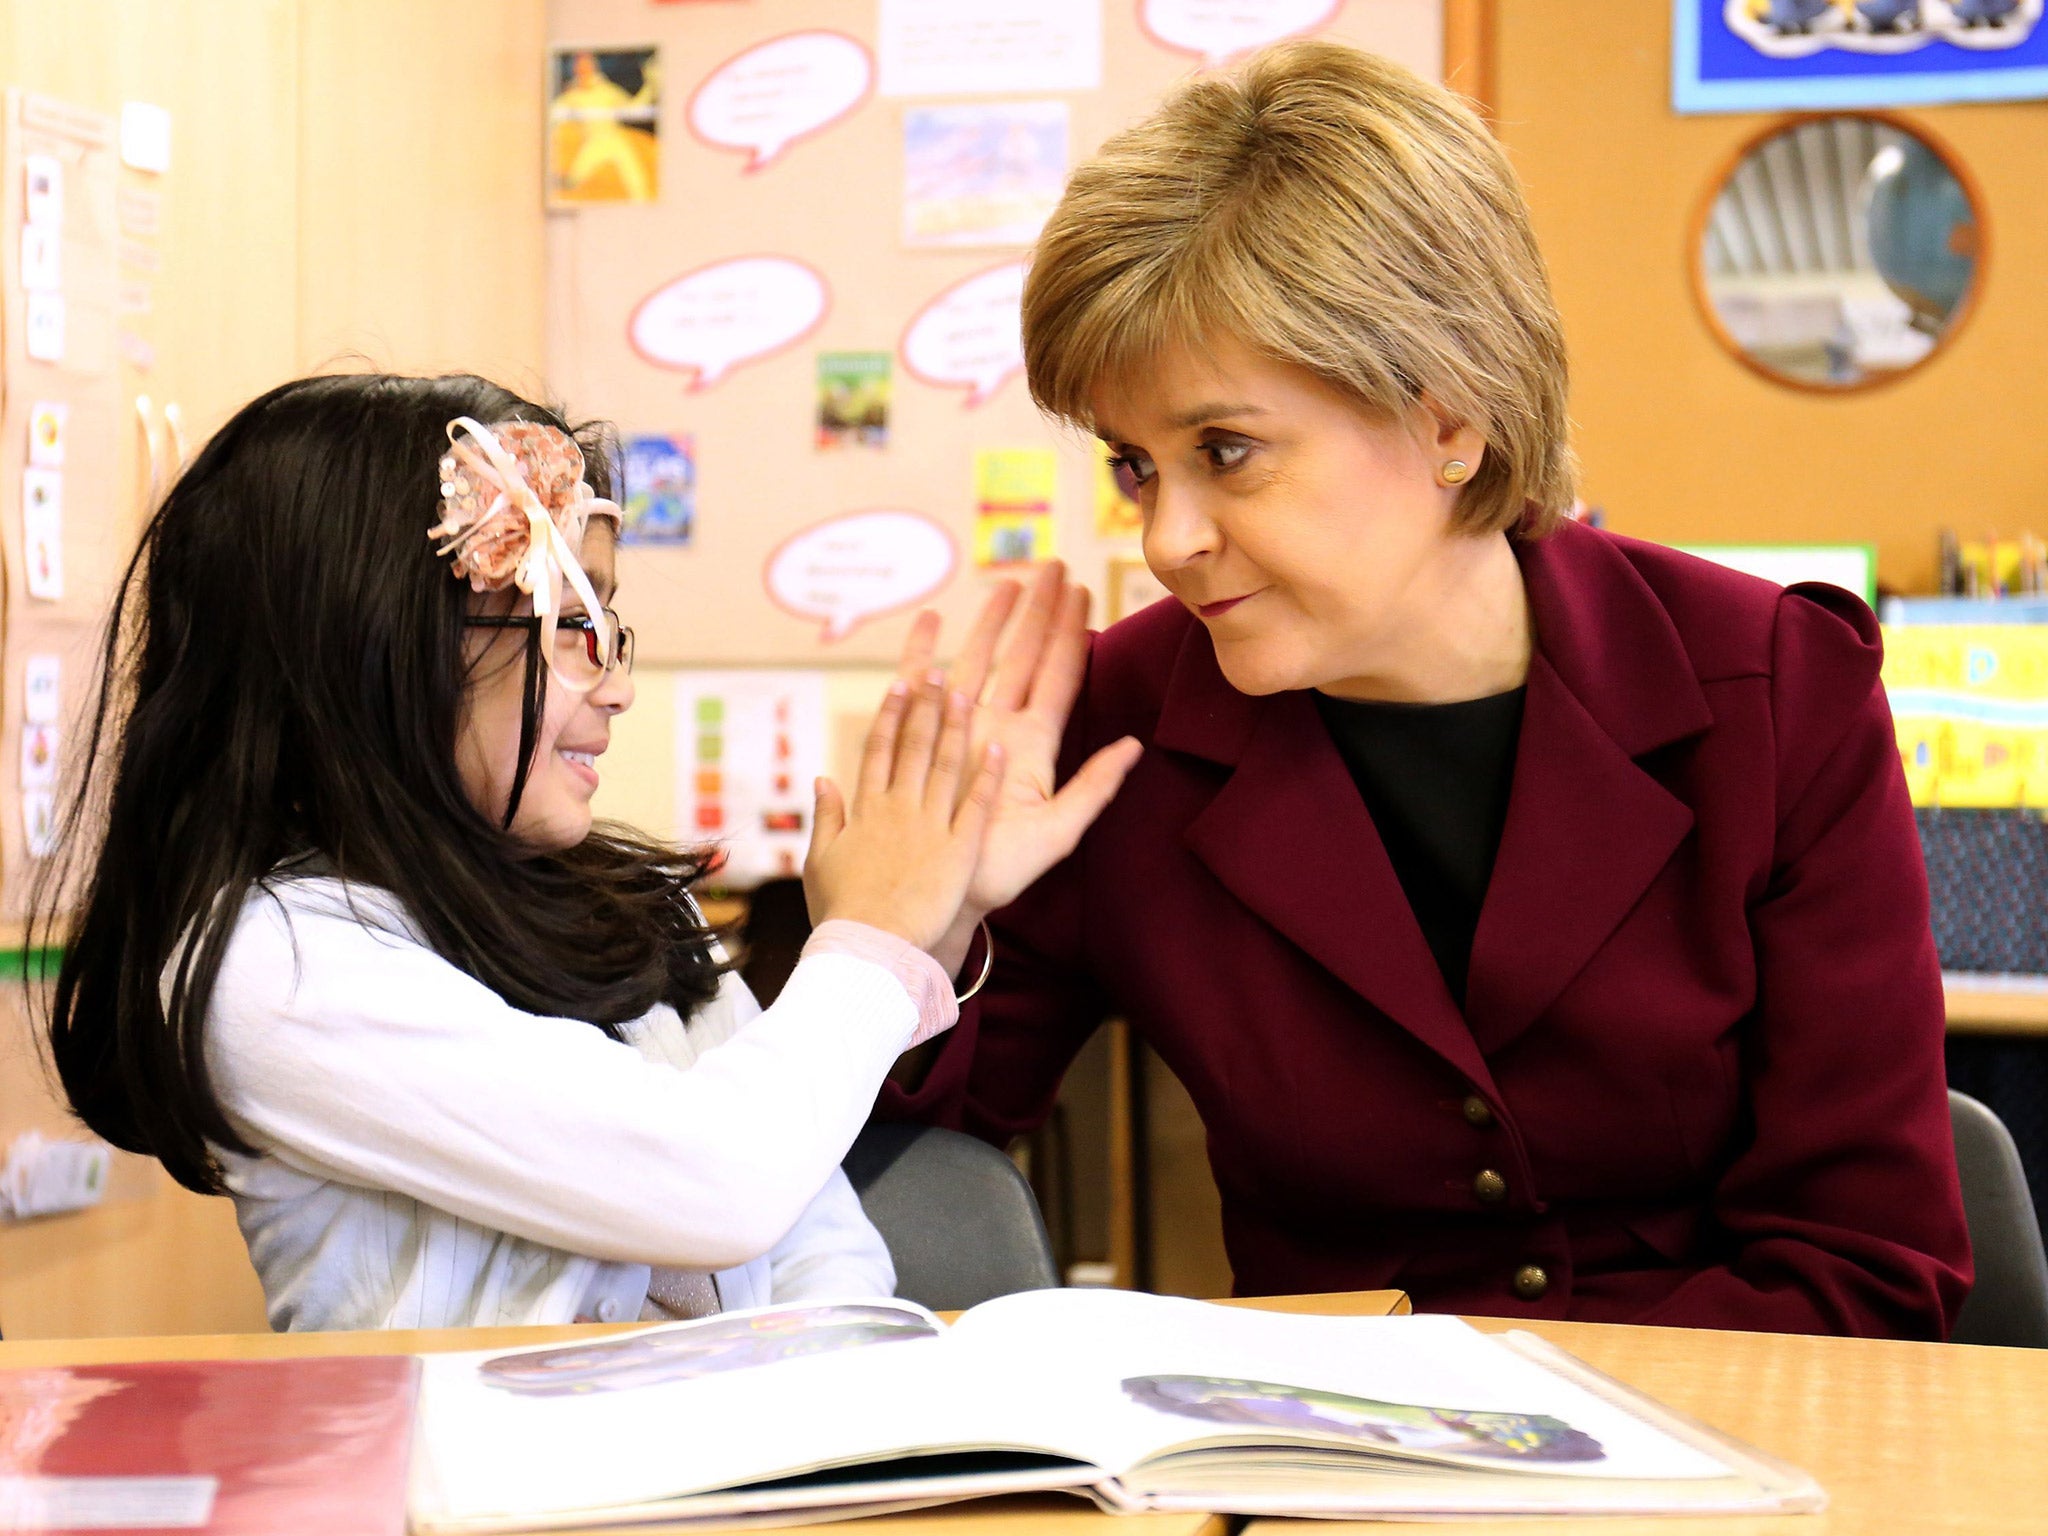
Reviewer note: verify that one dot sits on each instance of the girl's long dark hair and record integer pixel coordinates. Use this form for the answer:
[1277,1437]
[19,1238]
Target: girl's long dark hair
[283,677]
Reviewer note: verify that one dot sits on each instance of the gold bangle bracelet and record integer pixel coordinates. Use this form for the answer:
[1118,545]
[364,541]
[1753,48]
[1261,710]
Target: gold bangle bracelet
[988,963]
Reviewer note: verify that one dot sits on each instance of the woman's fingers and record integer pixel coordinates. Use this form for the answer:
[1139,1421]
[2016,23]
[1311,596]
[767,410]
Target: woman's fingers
[970,671]
[919,646]
[1063,663]
[1019,662]
[1087,794]
[878,755]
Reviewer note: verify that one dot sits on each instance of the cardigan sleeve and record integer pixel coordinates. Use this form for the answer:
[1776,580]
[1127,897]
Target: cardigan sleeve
[359,1055]
[1843,1211]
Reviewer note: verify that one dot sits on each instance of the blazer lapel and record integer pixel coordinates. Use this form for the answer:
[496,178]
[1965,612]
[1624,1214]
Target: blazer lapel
[1588,828]
[1289,836]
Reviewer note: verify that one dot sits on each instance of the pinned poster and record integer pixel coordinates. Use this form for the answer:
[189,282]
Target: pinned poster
[145,137]
[853,399]
[858,566]
[777,92]
[1220,30]
[1117,514]
[661,489]
[42,190]
[1824,55]
[38,756]
[992,47]
[43,327]
[39,822]
[41,688]
[971,335]
[42,530]
[1013,496]
[982,175]
[604,119]
[749,746]
[46,419]
[708,322]
[42,258]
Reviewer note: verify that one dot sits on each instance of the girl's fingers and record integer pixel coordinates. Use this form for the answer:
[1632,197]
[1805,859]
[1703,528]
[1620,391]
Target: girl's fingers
[971,819]
[1064,662]
[970,671]
[1019,660]
[828,820]
[878,756]
[920,734]
[949,758]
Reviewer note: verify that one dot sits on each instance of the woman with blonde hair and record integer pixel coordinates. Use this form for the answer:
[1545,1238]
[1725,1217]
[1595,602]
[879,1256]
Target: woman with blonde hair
[1535,915]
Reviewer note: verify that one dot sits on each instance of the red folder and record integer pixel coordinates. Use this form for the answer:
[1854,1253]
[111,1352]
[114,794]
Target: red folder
[249,1447]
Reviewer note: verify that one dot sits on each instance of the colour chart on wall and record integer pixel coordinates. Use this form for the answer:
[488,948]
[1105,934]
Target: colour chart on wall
[786,252]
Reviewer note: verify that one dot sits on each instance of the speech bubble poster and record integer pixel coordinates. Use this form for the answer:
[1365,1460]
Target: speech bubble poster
[604,125]
[969,336]
[708,322]
[786,89]
[847,570]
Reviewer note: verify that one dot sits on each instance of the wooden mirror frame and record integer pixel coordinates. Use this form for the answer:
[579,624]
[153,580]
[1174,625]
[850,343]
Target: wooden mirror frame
[1696,240]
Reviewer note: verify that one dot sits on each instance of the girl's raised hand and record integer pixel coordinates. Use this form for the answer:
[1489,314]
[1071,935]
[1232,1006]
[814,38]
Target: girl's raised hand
[1025,686]
[902,855]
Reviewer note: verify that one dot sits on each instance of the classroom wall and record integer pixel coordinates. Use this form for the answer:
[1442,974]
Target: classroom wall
[351,183]
[1680,441]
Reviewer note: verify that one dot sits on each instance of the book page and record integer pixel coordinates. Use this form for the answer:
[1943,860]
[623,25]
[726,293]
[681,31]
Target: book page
[1130,1377]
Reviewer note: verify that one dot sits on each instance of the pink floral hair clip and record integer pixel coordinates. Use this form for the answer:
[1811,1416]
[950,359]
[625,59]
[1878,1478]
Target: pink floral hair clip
[514,506]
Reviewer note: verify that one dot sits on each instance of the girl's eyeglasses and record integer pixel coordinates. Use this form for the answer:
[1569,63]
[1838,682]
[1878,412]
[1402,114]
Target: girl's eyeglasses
[577,640]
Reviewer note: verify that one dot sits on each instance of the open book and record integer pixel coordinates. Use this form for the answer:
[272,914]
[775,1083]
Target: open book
[1140,1402]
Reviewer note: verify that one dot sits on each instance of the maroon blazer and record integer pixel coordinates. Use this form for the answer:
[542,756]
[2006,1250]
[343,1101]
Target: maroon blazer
[1700,1059]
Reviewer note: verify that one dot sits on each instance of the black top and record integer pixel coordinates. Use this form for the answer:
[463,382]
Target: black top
[1435,778]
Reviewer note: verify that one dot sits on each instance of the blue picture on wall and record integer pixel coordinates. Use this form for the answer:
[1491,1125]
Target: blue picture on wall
[1816,55]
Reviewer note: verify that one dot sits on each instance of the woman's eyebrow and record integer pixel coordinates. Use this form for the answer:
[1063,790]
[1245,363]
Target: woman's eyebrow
[1202,415]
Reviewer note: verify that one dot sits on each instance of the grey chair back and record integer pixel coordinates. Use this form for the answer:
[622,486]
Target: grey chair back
[2009,1302]
[960,1221]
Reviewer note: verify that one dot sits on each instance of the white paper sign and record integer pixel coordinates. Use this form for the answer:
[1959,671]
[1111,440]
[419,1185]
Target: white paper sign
[39,822]
[708,322]
[106,1503]
[46,419]
[145,137]
[1222,29]
[42,530]
[951,48]
[43,190]
[780,91]
[42,1177]
[970,337]
[38,756]
[42,258]
[858,566]
[42,683]
[43,327]
[749,746]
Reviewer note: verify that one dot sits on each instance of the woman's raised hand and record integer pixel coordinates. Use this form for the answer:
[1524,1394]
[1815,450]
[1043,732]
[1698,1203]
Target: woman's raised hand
[902,855]
[1024,686]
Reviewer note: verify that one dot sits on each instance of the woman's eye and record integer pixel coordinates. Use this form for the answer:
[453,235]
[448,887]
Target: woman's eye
[1226,455]
[1131,469]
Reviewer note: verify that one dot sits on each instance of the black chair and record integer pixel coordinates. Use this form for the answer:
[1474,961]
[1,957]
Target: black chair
[959,1219]
[2009,1303]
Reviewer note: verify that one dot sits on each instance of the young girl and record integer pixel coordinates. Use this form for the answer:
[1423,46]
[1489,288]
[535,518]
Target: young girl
[350,951]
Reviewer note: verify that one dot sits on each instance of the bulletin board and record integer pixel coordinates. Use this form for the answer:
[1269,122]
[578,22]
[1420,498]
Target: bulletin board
[793,210]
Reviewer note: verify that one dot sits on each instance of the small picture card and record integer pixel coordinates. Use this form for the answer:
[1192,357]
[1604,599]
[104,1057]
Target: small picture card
[43,327]
[43,190]
[145,137]
[42,688]
[39,822]
[38,756]
[42,532]
[42,258]
[46,420]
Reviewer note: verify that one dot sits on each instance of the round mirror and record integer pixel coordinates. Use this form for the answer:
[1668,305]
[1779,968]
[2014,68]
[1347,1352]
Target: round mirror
[1839,252]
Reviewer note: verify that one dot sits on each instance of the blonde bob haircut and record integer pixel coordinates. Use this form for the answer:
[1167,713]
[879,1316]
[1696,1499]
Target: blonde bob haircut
[1328,209]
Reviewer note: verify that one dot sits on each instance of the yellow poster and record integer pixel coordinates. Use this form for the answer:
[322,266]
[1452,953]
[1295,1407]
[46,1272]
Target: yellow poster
[1116,515]
[1013,495]
[1970,705]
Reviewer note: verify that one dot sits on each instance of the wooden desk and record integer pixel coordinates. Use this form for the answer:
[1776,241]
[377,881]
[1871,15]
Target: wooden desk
[1032,1515]
[1988,1010]
[1906,1438]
